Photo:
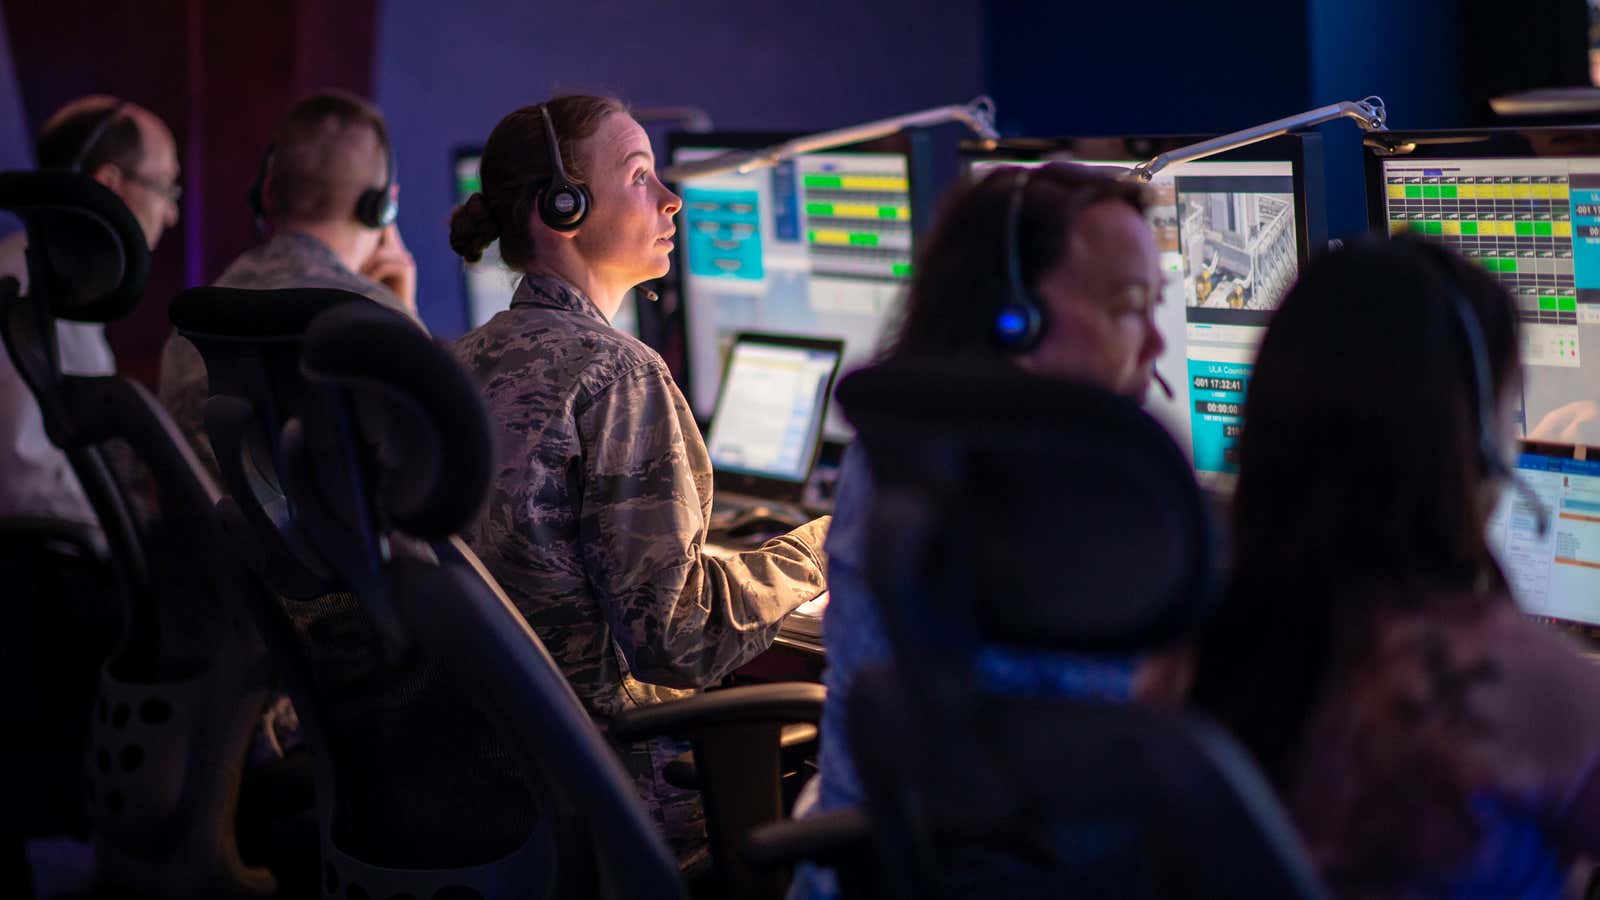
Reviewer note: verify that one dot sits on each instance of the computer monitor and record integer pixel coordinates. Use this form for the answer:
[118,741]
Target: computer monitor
[818,245]
[1233,231]
[487,283]
[1554,575]
[1525,204]
[767,427]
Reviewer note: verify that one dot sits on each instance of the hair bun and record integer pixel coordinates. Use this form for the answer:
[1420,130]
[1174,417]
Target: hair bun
[472,228]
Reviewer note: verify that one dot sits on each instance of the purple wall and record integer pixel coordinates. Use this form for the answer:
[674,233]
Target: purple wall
[446,74]
[16,148]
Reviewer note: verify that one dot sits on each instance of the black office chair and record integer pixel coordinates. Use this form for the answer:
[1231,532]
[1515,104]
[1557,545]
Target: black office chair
[353,448]
[180,696]
[1017,519]
[452,758]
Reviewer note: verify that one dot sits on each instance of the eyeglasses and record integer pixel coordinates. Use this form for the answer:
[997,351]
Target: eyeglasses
[172,192]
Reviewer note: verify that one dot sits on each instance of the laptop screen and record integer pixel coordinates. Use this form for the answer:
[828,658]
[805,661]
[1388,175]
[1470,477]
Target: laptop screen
[1555,574]
[771,405]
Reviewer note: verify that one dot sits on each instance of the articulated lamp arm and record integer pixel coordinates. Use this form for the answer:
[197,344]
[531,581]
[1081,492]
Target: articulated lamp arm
[1369,113]
[977,115]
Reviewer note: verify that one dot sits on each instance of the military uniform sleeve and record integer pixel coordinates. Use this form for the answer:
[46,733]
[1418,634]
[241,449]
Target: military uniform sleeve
[680,618]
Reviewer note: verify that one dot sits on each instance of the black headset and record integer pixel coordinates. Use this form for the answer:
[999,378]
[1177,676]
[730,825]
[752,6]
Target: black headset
[375,208]
[1490,459]
[1020,322]
[563,204]
[96,134]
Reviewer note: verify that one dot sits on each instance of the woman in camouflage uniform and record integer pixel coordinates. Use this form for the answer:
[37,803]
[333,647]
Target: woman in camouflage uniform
[597,521]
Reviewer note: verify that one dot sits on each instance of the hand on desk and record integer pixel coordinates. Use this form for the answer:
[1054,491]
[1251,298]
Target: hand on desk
[814,607]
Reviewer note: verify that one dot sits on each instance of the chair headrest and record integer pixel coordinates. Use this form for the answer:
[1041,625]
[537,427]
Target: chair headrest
[1068,518]
[417,406]
[239,313]
[90,257]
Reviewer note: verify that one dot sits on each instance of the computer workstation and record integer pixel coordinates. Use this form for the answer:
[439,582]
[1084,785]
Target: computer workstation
[1233,231]
[819,245]
[1524,203]
[814,254]
[763,440]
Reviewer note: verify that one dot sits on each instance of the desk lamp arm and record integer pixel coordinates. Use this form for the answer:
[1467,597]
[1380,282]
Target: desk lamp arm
[977,115]
[1368,113]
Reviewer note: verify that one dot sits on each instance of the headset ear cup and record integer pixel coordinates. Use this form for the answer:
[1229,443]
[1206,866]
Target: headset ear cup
[376,209]
[1018,325]
[564,206]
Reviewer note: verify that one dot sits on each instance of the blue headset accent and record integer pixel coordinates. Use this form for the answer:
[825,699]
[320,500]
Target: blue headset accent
[1020,321]
[1490,457]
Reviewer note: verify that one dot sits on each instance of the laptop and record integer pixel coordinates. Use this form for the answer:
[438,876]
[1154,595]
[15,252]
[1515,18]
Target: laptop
[767,426]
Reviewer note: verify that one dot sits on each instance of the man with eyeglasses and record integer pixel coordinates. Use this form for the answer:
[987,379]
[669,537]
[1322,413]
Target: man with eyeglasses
[132,152]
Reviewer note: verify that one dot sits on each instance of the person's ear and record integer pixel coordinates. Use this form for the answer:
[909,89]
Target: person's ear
[110,175]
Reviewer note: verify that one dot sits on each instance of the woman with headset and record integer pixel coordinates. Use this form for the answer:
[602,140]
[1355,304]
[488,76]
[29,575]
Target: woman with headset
[1428,739]
[598,517]
[1056,271]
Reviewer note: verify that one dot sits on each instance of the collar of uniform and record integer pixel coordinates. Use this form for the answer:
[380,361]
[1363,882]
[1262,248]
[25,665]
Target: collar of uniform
[301,244]
[553,292]
[310,254]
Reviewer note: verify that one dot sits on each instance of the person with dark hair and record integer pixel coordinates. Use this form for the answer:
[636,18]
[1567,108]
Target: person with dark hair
[327,190]
[596,525]
[132,152]
[1086,254]
[1428,739]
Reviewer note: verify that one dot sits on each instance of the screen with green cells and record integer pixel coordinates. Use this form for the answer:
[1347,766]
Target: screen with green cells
[858,223]
[1516,224]
[819,245]
[1534,223]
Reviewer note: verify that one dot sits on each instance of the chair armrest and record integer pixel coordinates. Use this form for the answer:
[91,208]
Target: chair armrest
[683,773]
[752,705]
[828,838]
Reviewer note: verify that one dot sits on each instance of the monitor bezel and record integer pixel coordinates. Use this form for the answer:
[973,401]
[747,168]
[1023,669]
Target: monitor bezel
[777,489]
[904,143]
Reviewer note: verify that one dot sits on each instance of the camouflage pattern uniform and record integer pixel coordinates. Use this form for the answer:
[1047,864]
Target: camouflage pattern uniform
[597,518]
[291,259]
